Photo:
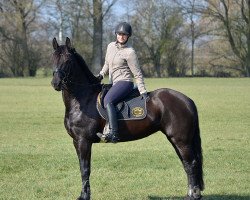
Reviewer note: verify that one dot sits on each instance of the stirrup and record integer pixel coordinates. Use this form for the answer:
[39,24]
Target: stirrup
[106,138]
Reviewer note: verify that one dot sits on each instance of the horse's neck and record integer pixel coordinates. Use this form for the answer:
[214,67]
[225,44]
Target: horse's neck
[72,97]
[79,79]
[85,74]
[82,85]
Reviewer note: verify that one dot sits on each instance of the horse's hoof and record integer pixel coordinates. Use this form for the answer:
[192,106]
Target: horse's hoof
[80,198]
[192,198]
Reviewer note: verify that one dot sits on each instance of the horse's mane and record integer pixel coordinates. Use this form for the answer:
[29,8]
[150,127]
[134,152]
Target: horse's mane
[85,68]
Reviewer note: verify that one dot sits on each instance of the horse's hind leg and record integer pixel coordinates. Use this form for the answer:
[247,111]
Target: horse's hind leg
[191,167]
[192,163]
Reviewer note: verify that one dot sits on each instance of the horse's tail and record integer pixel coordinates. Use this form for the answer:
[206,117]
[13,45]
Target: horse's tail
[198,150]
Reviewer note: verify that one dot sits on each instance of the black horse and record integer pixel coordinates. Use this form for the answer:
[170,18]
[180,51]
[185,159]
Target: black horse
[168,111]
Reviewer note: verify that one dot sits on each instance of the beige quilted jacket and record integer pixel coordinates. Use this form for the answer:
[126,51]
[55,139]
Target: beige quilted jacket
[122,64]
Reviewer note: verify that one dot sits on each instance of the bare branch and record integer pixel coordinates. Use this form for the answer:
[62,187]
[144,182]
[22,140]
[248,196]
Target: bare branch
[242,11]
[109,7]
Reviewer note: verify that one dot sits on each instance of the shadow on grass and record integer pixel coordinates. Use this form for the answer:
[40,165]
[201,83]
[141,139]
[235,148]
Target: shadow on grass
[205,197]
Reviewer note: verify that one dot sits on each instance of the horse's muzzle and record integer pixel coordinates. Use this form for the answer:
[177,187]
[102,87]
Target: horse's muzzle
[57,85]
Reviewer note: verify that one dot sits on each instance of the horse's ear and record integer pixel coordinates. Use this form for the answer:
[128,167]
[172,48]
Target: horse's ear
[68,43]
[55,44]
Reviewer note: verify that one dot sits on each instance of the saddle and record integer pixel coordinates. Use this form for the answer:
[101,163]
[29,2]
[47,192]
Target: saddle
[133,107]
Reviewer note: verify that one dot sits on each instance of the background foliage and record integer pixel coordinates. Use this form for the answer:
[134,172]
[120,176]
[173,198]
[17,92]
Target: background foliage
[172,37]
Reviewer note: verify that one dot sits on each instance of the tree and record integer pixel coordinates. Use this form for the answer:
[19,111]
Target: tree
[189,11]
[83,20]
[231,21]
[100,10]
[157,29]
[97,35]
[15,30]
[71,18]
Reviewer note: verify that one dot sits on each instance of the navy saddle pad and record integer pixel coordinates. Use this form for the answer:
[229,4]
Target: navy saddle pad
[132,107]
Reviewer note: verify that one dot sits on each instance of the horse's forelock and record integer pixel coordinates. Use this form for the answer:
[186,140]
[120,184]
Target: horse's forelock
[61,53]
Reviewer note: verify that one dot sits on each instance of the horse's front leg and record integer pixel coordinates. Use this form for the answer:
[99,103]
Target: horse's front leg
[83,149]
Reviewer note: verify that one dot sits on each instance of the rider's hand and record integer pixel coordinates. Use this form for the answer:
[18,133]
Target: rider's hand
[99,77]
[145,96]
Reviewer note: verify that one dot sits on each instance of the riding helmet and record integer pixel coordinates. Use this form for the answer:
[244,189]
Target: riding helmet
[124,28]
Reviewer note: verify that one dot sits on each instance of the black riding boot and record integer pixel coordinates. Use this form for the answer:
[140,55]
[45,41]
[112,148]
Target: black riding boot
[112,135]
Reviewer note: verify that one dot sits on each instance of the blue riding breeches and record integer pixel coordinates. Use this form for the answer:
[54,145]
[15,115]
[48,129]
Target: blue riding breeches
[118,92]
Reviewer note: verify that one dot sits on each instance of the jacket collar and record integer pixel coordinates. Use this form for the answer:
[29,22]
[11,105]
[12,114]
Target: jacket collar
[121,46]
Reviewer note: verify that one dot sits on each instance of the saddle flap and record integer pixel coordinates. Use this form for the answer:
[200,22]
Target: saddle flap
[131,108]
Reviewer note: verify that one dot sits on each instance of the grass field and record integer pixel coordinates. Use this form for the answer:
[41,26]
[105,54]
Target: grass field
[38,161]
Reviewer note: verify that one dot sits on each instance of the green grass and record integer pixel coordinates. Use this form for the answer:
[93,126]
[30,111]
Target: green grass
[38,160]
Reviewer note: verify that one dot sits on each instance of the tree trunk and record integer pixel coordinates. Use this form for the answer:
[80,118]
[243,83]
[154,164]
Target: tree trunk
[158,69]
[247,66]
[156,57]
[31,68]
[97,37]
[192,50]
[193,36]
[26,51]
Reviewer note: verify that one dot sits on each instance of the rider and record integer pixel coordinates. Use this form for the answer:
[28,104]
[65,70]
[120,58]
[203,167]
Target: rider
[120,62]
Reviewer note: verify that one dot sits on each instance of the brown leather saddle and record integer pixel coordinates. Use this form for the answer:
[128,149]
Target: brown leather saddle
[133,107]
